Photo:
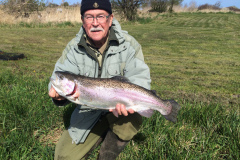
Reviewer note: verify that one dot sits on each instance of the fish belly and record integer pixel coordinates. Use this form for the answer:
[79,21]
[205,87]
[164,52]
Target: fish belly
[107,98]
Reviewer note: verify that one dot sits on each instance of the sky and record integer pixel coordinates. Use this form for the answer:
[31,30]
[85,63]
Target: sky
[224,3]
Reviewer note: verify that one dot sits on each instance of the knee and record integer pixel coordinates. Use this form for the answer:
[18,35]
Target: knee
[127,127]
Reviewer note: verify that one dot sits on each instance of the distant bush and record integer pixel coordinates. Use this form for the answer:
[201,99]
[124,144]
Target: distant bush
[22,8]
[208,6]
[53,5]
[159,6]
[216,6]
[233,9]
[65,4]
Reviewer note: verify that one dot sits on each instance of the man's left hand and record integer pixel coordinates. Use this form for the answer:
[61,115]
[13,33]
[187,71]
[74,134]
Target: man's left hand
[121,110]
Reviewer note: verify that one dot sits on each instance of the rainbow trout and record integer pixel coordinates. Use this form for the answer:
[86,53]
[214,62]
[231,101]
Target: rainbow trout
[105,93]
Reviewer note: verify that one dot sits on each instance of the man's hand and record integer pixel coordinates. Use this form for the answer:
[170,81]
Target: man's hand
[121,110]
[52,93]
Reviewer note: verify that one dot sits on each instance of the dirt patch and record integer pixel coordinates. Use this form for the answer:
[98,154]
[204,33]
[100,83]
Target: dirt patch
[52,136]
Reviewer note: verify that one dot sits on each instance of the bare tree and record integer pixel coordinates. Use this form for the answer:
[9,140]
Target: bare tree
[162,5]
[192,5]
[127,8]
[159,5]
[173,2]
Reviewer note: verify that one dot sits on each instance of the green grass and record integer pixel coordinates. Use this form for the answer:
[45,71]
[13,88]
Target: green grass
[194,58]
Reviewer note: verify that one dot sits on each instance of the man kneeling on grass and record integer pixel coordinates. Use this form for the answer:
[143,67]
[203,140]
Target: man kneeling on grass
[100,50]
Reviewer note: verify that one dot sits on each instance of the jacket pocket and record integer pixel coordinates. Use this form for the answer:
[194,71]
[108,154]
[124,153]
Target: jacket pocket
[85,70]
[114,70]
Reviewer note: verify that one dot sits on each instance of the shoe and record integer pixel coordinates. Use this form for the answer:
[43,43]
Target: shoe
[111,147]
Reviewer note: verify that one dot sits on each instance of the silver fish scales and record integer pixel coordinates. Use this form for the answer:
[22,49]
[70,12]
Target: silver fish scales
[105,93]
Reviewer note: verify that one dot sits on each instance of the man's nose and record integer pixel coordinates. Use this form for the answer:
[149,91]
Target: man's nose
[95,21]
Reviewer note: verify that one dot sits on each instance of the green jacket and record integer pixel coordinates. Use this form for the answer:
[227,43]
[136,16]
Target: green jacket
[122,58]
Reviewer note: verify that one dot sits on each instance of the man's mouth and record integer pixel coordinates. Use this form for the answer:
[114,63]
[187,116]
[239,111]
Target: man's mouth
[96,30]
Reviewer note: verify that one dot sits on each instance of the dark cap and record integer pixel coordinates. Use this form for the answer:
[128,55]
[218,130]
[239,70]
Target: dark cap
[96,4]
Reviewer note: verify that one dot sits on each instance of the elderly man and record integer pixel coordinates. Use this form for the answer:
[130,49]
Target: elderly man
[101,50]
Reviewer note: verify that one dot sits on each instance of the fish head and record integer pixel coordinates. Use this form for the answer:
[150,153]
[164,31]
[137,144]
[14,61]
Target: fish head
[64,83]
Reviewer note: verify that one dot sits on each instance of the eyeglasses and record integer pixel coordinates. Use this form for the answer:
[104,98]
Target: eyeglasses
[100,18]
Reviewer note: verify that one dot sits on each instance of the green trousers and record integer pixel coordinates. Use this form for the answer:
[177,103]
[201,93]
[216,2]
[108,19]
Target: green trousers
[125,127]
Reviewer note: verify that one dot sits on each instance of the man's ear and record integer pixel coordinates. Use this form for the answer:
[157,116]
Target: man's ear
[110,20]
[82,18]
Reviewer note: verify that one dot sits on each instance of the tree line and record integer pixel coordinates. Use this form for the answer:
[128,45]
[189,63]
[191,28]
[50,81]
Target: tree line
[127,8]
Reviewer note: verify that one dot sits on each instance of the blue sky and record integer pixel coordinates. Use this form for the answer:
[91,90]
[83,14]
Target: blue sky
[224,3]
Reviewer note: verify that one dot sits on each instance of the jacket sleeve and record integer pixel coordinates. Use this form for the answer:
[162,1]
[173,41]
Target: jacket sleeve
[66,62]
[136,70]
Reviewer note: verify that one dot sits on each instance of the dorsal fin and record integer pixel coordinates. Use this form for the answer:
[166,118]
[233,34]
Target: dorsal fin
[154,92]
[120,78]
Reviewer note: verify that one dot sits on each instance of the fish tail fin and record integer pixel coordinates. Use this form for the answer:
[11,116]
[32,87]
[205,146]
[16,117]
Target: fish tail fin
[175,108]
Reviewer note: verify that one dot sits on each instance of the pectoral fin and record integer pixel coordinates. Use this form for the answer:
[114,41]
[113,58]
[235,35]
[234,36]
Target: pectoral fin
[146,113]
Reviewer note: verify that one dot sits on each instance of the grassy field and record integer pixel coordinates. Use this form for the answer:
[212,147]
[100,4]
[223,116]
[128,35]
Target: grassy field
[194,58]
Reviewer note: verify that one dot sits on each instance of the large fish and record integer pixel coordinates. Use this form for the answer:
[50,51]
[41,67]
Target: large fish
[105,93]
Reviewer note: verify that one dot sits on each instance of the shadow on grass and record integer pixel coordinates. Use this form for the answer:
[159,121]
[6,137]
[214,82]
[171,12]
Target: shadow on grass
[67,114]
[139,137]
[10,56]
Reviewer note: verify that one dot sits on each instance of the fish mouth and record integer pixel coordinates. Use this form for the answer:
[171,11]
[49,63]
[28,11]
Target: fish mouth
[74,91]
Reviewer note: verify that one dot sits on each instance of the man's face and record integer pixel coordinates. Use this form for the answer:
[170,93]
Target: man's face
[95,30]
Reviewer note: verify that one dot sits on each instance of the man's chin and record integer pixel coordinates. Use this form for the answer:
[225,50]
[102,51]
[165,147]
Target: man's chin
[97,39]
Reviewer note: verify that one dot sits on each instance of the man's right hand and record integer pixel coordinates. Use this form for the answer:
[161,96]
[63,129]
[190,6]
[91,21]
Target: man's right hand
[52,93]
